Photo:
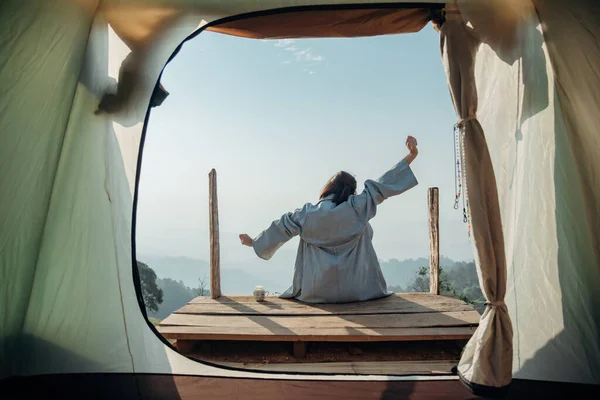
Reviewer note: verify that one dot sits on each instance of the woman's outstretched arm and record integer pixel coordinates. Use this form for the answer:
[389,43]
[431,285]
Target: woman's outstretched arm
[276,235]
[396,181]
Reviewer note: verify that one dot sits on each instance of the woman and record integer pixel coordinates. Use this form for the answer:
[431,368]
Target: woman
[336,261]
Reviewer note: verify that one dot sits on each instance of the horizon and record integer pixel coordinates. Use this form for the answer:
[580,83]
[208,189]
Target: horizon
[143,256]
[242,277]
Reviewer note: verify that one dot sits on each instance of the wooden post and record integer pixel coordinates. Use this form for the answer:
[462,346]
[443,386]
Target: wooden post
[434,240]
[299,349]
[215,258]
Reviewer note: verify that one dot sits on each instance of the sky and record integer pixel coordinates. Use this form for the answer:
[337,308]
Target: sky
[276,119]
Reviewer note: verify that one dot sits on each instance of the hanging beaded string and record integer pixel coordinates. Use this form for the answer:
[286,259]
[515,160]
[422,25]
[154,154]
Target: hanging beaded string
[457,167]
[460,172]
[466,215]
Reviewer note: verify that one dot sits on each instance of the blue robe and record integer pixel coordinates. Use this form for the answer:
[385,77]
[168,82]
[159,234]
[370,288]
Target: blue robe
[336,261]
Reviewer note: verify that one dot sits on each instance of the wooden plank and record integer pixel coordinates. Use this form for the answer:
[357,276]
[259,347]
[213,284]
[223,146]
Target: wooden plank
[434,240]
[282,324]
[397,303]
[393,302]
[215,257]
[259,333]
[422,367]
[418,297]
[267,308]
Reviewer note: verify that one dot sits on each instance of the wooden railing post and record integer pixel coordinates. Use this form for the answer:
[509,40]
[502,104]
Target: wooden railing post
[215,254]
[434,240]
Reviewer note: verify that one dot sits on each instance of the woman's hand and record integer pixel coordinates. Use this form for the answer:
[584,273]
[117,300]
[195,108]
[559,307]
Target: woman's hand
[246,240]
[411,144]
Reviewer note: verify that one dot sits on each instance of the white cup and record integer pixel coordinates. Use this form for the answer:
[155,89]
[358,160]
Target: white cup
[259,293]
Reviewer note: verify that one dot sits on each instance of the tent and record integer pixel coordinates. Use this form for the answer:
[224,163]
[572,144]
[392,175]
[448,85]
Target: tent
[77,78]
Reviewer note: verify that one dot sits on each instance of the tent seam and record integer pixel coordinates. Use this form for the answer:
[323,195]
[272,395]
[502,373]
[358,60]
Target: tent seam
[518,117]
[117,258]
[121,298]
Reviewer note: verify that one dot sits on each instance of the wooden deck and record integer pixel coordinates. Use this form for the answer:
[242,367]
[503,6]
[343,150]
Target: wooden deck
[400,317]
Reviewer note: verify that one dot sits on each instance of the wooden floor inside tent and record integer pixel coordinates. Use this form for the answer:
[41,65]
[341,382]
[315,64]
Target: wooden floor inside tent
[422,367]
[397,318]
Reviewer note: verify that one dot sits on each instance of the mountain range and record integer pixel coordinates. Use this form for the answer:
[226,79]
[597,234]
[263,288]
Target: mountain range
[275,275]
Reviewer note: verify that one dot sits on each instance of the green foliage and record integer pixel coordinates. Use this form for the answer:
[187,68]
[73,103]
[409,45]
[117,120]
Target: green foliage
[466,285]
[151,293]
[163,296]
[460,281]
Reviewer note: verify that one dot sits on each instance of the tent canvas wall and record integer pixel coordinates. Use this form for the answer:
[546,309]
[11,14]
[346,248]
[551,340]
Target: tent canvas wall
[68,177]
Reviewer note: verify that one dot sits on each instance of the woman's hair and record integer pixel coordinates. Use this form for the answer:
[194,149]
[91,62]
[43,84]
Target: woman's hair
[342,185]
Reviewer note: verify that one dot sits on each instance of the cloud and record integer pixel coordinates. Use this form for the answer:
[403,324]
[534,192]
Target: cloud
[301,55]
[306,55]
[284,42]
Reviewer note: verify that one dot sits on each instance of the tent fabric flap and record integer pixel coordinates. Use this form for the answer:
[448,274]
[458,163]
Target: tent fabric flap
[487,358]
[328,23]
[41,53]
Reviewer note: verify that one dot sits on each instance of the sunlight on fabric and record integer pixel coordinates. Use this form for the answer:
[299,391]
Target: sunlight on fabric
[127,65]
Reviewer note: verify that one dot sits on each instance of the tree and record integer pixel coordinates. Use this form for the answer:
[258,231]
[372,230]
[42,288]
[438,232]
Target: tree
[421,283]
[466,284]
[202,289]
[151,293]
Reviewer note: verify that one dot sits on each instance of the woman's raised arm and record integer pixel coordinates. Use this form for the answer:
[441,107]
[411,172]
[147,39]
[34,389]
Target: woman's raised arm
[396,181]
